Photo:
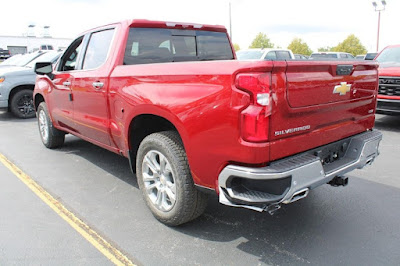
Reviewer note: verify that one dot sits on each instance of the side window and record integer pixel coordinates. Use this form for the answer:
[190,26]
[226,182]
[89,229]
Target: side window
[343,56]
[97,49]
[166,44]
[270,56]
[283,55]
[68,60]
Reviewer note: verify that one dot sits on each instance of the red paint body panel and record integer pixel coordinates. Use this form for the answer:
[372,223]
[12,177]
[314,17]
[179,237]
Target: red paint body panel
[200,99]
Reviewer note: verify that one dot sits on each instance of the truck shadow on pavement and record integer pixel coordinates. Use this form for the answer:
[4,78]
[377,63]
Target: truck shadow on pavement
[110,162]
[330,225]
[388,122]
[357,224]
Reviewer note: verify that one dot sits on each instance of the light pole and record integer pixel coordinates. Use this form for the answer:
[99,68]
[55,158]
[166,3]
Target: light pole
[379,7]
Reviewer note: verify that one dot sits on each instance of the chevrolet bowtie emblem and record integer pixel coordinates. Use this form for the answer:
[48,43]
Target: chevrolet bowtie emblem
[342,88]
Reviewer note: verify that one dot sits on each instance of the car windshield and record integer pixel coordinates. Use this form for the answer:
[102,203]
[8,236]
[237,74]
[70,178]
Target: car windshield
[26,58]
[11,61]
[45,57]
[248,55]
[390,57]
[323,56]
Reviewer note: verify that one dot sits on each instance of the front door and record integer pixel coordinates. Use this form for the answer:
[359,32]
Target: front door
[61,93]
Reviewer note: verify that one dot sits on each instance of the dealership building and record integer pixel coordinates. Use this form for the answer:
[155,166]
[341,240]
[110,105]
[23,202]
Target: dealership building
[26,44]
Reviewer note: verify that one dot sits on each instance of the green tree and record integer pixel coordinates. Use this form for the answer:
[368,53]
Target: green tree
[299,47]
[236,47]
[261,41]
[325,49]
[351,45]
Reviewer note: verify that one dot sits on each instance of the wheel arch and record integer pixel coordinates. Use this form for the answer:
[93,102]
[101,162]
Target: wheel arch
[145,124]
[37,99]
[18,88]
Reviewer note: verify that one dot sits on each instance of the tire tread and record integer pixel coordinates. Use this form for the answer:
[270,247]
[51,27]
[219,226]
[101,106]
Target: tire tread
[195,201]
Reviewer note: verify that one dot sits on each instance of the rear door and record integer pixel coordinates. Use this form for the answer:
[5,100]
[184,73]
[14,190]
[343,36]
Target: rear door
[91,110]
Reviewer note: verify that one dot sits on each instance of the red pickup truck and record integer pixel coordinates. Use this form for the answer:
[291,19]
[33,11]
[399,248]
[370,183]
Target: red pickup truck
[192,119]
[389,81]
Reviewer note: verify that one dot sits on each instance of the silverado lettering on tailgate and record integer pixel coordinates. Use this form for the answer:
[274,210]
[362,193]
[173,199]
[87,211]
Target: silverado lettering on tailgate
[292,130]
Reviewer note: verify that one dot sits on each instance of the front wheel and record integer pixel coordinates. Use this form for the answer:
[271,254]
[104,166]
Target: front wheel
[50,136]
[165,180]
[21,104]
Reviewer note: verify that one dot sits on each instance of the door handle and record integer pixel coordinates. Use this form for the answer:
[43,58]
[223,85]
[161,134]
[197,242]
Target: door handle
[67,83]
[98,85]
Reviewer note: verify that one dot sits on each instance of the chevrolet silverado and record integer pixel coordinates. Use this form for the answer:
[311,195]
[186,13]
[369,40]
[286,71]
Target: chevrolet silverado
[192,120]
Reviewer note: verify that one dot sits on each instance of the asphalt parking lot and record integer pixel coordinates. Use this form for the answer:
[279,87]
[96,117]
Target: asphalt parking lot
[355,225]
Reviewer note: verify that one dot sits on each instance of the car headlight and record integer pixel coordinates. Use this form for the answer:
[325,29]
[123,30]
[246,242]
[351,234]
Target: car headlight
[2,79]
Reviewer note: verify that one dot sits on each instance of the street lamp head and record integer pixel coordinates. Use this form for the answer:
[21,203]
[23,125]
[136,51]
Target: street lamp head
[383,2]
[374,4]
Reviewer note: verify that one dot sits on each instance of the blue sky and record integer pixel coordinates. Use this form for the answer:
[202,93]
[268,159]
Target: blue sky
[319,23]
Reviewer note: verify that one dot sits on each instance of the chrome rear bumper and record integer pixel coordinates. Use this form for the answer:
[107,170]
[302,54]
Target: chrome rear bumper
[295,175]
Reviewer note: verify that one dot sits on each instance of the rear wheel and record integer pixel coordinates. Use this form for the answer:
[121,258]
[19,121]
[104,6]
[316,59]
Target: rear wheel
[165,180]
[50,136]
[21,104]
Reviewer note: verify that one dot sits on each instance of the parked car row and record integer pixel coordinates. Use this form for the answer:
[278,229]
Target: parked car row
[277,54]
[17,80]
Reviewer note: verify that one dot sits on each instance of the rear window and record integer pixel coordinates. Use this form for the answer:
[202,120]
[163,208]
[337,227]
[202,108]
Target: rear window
[150,45]
[323,56]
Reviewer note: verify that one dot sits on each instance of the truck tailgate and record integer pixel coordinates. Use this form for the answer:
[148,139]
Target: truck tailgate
[319,102]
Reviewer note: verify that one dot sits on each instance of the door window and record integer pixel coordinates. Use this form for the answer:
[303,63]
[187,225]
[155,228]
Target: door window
[97,49]
[68,60]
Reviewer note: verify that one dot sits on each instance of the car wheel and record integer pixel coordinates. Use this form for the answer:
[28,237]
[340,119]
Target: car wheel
[165,180]
[22,104]
[50,136]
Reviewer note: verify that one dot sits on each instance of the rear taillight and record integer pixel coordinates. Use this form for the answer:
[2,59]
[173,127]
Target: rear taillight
[255,118]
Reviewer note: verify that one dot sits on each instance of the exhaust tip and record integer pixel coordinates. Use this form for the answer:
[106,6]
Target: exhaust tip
[298,195]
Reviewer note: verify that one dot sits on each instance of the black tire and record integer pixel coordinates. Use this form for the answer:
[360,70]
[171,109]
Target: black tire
[50,136]
[21,104]
[189,203]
